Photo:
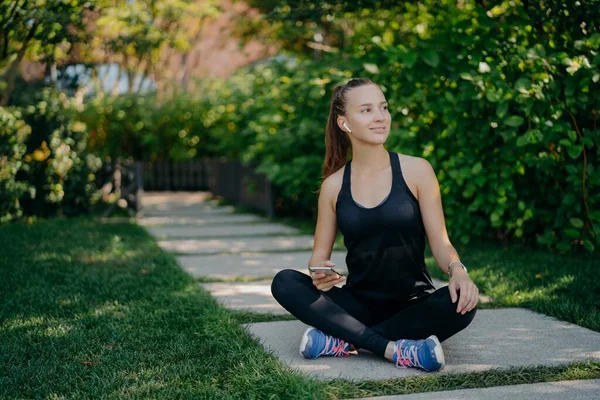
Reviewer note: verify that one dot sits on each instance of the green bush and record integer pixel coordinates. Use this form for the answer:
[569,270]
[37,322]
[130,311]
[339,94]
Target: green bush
[48,170]
[141,128]
[63,174]
[502,105]
[501,108]
[13,134]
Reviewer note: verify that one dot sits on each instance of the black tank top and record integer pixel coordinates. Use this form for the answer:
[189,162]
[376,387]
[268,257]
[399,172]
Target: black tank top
[386,243]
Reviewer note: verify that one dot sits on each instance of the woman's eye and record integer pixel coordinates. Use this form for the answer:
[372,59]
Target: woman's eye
[385,107]
[366,109]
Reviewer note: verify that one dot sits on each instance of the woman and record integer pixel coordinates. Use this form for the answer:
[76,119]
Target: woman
[388,305]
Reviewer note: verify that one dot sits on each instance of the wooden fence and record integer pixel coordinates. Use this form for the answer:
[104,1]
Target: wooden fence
[176,176]
[121,186]
[237,183]
[241,184]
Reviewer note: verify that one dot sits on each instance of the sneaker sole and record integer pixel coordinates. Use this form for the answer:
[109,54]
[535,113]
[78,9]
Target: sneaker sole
[304,341]
[439,352]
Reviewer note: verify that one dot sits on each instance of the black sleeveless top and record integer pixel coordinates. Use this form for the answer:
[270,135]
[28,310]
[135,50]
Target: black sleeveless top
[386,243]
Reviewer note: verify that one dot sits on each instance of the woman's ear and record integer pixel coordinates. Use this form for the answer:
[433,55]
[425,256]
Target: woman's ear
[343,125]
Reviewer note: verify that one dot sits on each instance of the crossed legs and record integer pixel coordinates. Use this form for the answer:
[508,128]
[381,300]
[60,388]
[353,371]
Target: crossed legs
[340,314]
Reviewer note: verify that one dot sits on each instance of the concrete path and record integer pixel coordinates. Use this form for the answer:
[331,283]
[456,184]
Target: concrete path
[255,229]
[193,220]
[496,339]
[237,245]
[563,390]
[247,296]
[249,264]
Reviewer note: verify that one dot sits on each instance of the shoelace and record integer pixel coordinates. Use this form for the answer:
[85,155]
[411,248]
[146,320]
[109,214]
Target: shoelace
[338,347]
[407,356]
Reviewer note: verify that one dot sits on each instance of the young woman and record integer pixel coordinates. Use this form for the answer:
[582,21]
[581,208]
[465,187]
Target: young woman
[388,304]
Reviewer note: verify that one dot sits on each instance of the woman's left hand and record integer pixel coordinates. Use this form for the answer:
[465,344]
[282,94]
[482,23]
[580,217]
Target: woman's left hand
[469,294]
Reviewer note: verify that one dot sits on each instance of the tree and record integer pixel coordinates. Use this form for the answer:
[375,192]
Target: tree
[138,34]
[40,30]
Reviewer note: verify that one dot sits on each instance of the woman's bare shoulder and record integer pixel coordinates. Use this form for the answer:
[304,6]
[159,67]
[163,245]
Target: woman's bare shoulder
[413,165]
[332,185]
[416,172]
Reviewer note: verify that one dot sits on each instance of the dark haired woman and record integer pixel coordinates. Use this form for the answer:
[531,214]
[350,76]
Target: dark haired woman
[384,204]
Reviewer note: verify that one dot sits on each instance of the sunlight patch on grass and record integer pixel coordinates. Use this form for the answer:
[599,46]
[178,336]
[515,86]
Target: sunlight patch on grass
[111,309]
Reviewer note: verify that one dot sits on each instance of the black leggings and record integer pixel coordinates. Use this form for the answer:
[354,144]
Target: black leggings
[338,313]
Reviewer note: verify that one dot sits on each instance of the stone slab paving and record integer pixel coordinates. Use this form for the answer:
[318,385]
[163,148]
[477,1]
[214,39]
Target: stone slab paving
[563,390]
[179,231]
[182,203]
[202,220]
[228,266]
[150,199]
[254,296]
[501,338]
[172,210]
[247,296]
[239,245]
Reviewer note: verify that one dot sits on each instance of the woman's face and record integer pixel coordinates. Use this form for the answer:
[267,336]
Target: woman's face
[367,115]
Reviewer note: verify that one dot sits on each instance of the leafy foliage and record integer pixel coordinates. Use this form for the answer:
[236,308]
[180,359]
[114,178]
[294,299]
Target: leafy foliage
[137,34]
[13,134]
[40,30]
[47,170]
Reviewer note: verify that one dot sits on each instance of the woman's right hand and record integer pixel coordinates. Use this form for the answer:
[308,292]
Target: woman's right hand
[325,282]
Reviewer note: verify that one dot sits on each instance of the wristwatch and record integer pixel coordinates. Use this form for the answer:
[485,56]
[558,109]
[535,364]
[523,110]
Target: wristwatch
[450,267]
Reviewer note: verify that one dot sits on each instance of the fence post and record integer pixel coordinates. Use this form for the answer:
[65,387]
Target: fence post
[139,181]
[270,198]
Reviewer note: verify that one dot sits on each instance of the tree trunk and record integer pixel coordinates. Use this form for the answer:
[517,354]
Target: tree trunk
[11,74]
[115,88]
[130,78]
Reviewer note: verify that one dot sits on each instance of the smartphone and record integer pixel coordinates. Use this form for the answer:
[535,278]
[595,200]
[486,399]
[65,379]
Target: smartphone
[326,270]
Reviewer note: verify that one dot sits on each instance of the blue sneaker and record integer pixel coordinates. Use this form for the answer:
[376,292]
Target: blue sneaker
[315,344]
[426,354]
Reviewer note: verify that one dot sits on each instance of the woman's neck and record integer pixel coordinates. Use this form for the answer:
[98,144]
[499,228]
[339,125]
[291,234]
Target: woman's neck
[367,160]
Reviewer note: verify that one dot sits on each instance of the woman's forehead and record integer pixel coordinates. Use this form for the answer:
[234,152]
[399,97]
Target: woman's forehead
[364,95]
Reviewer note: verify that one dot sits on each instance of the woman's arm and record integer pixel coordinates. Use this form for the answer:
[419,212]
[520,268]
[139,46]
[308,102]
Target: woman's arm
[325,233]
[430,204]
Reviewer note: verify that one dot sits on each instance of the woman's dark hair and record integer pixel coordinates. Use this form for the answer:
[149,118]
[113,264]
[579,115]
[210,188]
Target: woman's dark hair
[337,142]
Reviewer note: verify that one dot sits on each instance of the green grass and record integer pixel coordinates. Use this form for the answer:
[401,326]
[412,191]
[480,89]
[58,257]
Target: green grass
[563,286]
[438,382]
[98,310]
[232,279]
[91,310]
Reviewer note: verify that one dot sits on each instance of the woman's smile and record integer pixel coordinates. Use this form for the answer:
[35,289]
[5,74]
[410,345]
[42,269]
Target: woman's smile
[379,129]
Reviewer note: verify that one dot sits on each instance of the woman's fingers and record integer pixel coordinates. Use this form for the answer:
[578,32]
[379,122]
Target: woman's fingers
[464,296]
[471,298]
[326,282]
[452,290]
[332,283]
[474,299]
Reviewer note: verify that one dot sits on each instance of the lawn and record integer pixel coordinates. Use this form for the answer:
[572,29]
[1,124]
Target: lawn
[98,310]
[91,310]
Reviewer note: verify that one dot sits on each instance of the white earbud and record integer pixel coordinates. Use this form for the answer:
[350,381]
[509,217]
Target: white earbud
[346,126]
